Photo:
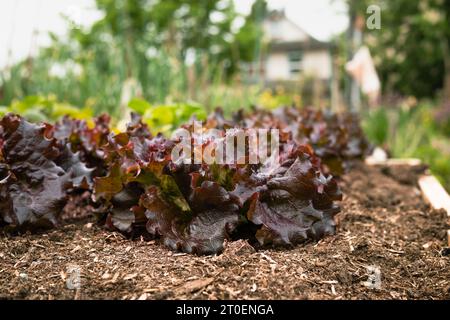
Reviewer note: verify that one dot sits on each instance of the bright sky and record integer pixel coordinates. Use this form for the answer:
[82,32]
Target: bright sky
[19,19]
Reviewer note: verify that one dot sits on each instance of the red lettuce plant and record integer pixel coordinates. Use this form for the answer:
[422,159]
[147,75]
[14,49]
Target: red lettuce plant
[192,207]
[337,138]
[36,173]
[196,207]
[85,140]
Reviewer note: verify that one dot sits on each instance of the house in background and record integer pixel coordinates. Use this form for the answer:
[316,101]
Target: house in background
[289,53]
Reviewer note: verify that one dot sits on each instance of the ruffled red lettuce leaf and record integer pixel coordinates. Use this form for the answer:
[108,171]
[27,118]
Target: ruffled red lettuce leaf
[107,187]
[33,190]
[135,162]
[294,204]
[125,215]
[37,172]
[85,140]
[80,175]
[214,217]
[136,128]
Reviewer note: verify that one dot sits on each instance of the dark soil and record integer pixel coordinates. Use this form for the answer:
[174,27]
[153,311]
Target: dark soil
[384,224]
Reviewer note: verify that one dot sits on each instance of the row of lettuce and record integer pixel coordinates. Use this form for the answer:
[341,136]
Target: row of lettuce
[136,188]
[409,128]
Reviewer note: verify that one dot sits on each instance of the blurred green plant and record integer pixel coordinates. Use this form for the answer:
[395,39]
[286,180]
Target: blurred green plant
[376,126]
[40,108]
[411,132]
[166,118]
[272,99]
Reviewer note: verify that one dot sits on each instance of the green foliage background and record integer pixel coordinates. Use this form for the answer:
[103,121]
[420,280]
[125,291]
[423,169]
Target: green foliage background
[411,50]
[176,50]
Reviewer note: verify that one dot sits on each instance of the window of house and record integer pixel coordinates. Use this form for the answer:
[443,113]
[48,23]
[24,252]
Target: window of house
[295,62]
[275,30]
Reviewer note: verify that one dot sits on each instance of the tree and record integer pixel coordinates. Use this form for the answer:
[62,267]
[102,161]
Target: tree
[412,48]
[249,38]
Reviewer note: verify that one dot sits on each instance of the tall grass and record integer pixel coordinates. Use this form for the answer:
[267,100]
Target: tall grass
[98,81]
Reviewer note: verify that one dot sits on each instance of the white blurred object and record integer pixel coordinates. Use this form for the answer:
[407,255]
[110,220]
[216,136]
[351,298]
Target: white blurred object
[378,155]
[362,69]
[130,89]
[62,70]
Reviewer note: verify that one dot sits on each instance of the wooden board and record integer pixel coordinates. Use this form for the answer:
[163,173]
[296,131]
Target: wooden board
[448,238]
[394,162]
[434,193]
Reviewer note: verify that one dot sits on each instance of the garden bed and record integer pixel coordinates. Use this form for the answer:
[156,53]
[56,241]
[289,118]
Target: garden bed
[384,223]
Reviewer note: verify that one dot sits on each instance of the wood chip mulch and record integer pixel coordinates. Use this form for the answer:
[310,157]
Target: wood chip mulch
[389,245]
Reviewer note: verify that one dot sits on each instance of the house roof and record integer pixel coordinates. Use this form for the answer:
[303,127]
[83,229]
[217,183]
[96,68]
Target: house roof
[283,34]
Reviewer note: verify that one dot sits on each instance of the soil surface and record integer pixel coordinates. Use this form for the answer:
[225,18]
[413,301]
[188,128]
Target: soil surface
[389,245]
